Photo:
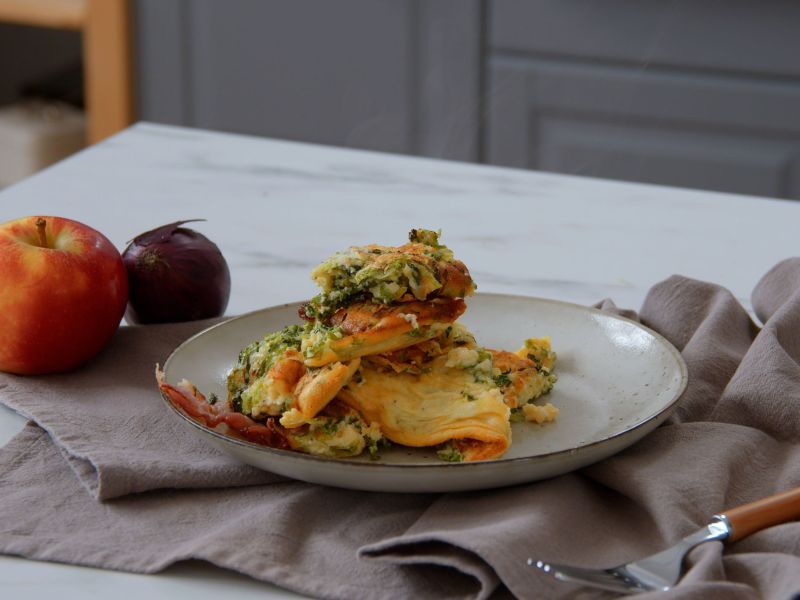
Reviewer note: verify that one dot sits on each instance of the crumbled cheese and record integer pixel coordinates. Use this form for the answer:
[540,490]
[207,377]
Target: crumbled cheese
[411,318]
[485,366]
[345,437]
[540,414]
[462,358]
[459,334]
[260,399]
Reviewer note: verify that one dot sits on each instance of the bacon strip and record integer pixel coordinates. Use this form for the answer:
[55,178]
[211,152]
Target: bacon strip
[189,399]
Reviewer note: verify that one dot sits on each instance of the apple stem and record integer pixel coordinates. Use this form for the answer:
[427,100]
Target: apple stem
[41,225]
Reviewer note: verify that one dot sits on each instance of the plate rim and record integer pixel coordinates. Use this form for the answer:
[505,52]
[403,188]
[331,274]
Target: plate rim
[290,454]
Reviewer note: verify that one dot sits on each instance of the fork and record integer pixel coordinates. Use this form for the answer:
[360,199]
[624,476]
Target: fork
[661,571]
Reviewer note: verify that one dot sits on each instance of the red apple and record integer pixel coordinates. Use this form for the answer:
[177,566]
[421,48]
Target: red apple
[63,290]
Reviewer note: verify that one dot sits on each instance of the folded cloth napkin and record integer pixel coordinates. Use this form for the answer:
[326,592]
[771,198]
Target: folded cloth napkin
[112,429]
[735,437]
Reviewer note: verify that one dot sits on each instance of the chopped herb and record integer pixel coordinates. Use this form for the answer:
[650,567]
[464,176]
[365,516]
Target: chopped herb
[331,426]
[372,446]
[450,453]
[469,397]
[502,380]
[236,403]
[517,416]
[212,398]
[317,336]
[425,236]
[550,381]
[415,273]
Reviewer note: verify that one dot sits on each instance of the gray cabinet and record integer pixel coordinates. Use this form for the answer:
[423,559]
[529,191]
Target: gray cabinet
[695,93]
[687,93]
[392,75]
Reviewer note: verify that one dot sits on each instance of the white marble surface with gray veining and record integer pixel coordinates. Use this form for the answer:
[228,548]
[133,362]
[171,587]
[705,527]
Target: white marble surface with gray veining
[276,208]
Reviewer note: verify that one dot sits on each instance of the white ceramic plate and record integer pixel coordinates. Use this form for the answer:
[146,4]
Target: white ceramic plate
[617,381]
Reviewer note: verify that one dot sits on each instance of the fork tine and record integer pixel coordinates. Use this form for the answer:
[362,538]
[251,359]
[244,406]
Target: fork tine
[607,579]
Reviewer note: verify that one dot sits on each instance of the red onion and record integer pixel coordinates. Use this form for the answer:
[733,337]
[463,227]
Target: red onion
[175,274]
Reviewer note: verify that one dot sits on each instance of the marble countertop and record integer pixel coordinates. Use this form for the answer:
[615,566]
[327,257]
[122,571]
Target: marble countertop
[276,208]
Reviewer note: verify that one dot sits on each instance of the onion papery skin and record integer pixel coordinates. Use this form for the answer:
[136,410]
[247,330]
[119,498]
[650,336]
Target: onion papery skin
[175,274]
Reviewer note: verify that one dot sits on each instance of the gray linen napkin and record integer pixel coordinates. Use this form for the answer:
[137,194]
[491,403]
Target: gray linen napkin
[734,438]
[113,431]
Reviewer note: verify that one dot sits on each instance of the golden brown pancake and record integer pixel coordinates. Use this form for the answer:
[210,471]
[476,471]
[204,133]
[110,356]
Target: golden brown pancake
[319,386]
[422,269]
[368,328]
[519,378]
[451,279]
[441,405]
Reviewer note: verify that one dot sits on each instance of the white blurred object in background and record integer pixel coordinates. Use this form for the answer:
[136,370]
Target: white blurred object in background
[35,134]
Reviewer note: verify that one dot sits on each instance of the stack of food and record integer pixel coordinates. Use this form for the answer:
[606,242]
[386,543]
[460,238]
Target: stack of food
[381,358]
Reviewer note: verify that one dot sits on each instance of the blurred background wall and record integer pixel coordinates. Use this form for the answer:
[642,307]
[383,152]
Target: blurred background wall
[696,93]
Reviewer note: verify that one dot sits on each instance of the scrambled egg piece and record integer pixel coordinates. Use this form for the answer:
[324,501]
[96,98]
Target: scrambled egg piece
[540,414]
[338,432]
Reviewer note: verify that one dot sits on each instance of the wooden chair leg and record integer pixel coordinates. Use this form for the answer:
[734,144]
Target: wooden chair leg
[107,60]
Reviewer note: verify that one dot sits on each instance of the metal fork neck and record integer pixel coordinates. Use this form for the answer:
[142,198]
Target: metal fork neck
[718,529]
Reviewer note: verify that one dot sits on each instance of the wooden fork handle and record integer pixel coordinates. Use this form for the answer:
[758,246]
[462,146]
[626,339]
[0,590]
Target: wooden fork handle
[758,515]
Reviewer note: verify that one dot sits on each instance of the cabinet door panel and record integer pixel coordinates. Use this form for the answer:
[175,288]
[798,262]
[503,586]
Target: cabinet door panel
[713,132]
[654,155]
[299,69]
[394,75]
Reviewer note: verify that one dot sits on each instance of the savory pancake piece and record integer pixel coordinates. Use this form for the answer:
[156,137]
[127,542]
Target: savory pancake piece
[443,405]
[366,328]
[262,381]
[520,379]
[415,359]
[338,432]
[319,386]
[539,351]
[380,357]
[270,377]
[272,393]
[420,270]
